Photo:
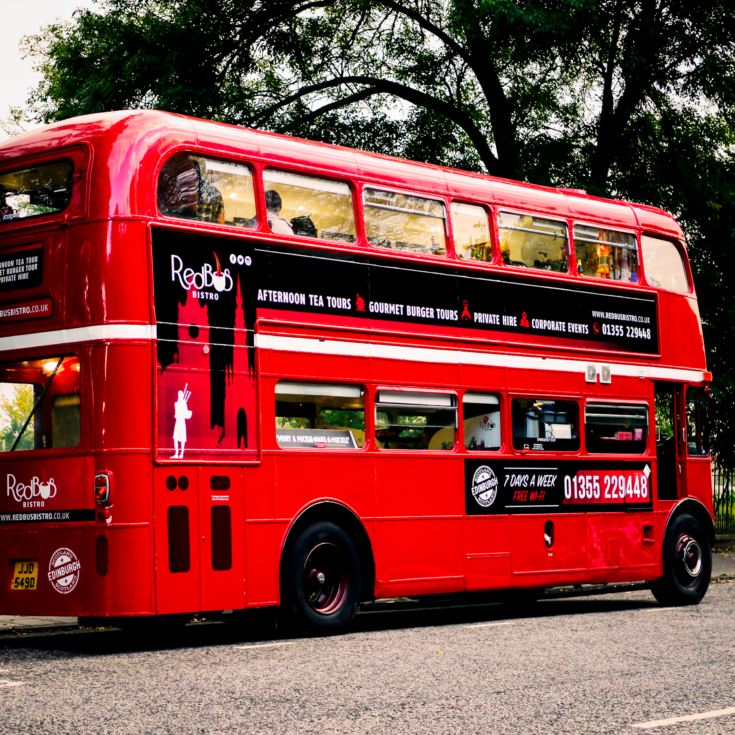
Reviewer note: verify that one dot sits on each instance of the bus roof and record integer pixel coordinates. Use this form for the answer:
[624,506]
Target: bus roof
[131,136]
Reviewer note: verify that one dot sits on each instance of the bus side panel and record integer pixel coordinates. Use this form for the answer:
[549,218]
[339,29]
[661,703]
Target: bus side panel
[419,512]
[624,547]
[549,549]
[487,552]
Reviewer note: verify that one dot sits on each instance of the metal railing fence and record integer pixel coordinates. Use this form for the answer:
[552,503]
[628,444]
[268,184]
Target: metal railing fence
[723,483]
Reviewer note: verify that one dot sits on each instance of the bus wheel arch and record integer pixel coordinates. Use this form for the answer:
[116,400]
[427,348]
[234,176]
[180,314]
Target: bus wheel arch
[687,556]
[326,568]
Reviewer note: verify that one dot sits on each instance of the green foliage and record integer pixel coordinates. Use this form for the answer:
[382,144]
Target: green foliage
[629,98]
[16,402]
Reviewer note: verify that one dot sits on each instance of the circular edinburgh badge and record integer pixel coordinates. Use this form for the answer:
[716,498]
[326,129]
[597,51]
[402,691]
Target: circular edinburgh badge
[63,570]
[484,486]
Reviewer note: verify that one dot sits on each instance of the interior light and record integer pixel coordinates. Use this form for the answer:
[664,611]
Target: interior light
[49,367]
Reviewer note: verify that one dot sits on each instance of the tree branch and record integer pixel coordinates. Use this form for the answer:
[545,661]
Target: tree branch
[395,89]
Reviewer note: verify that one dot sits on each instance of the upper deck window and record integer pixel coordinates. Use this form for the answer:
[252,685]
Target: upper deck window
[308,206]
[208,190]
[664,264]
[471,232]
[605,253]
[405,222]
[533,242]
[35,191]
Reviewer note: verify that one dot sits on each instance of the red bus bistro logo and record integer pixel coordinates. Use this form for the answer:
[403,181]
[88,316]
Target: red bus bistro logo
[207,283]
[33,494]
[63,570]
[484,486]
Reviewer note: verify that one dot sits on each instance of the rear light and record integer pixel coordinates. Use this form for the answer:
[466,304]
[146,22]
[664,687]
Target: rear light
[102,488]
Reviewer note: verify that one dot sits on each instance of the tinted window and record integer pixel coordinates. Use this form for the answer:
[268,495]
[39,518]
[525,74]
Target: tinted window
[533,242]
[606,253]
[545,424]
[208,190]
[616,428]
[405,222]
[32,192]
[308,206]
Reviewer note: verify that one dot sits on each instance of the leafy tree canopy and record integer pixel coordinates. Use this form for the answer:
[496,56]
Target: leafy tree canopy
[630,98]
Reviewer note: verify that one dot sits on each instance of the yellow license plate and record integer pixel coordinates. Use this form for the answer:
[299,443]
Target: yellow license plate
[25,576]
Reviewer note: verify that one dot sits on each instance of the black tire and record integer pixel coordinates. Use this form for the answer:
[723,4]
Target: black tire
[320,579]
[687,561]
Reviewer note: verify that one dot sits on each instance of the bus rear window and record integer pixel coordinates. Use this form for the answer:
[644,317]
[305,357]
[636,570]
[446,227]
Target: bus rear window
[35,191]
[39,404]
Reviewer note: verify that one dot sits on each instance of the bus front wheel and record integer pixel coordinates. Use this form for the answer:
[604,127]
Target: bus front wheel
[687,561]
[321,579]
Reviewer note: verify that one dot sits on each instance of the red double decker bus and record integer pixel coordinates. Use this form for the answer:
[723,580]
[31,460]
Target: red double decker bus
[241,370]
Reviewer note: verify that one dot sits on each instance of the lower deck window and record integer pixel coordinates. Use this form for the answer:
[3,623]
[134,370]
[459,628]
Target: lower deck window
[407,420]
[39,404]
[481,421]
[319,416]
[615,428]
[545,424]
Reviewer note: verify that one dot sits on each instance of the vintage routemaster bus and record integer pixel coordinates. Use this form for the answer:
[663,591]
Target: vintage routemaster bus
[240,370]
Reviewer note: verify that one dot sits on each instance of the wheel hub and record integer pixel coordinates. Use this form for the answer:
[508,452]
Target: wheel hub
[689,553]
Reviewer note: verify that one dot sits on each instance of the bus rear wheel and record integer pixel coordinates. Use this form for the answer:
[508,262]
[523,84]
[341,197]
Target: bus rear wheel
[321,579]
[687,563]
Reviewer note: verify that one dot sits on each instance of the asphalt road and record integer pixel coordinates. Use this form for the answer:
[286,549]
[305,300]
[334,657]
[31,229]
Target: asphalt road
[613,664]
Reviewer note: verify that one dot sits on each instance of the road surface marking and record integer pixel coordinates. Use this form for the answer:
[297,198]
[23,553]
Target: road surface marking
[278,644]
[490,625]
[685,718]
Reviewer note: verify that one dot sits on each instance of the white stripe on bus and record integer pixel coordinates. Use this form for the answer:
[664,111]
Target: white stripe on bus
[463,357]
[147,332]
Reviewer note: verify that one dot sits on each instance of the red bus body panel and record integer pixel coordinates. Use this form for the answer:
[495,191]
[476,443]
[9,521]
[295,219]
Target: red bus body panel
[99,274]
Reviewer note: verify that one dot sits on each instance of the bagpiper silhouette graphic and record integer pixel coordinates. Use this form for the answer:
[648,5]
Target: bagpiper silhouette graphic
[181,414]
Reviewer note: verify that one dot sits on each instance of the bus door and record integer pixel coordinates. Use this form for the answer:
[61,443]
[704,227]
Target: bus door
[670,443]
[221,544]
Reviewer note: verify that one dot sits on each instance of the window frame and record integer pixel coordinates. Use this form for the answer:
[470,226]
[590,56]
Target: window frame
[216,157]
[683,259]
[636,248]
[576,400]
[415,399]
[630,405]
[305,388]
[438,199]
[568,254]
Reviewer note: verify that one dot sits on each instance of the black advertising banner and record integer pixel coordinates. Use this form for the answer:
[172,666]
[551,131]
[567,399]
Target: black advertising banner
[21,269]
[495,487]
[353,285]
